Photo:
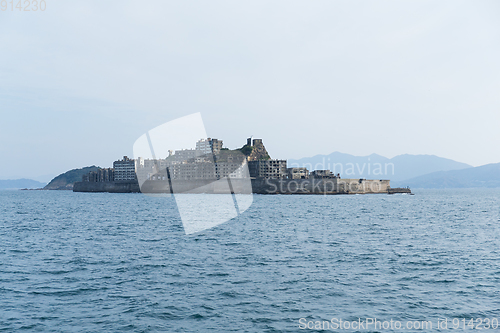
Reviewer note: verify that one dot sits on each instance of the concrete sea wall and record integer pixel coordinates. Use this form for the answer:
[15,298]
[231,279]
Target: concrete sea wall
[319,186]
[110,187]
[258,186]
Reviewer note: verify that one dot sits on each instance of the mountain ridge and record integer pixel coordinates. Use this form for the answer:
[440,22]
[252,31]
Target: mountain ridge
[484,176]
[400,167]
[15,184]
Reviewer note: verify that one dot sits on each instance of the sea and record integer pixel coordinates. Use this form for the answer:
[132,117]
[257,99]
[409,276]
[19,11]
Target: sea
[101,262]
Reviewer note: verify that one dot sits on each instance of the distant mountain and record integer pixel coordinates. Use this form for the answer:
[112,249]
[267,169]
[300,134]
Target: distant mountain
[20,184]
[66,180]
[375,166]
[482,176]
[44,178]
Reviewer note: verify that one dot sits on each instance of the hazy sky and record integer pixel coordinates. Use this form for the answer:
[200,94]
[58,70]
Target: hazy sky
[82,80]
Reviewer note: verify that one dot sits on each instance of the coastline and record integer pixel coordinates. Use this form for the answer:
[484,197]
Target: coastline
[314,186]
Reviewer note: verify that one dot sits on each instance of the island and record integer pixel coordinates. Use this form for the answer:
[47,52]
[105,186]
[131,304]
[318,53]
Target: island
[211,168]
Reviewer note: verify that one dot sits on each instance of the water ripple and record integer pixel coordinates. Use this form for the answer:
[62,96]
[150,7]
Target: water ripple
[77,262]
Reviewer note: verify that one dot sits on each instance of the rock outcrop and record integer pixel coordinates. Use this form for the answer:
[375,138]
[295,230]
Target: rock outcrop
[65,181]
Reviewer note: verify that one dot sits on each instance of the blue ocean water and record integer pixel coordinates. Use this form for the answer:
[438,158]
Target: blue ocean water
[95,262]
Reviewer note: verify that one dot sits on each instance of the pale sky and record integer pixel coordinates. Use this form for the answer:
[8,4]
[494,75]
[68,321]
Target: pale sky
[82,80]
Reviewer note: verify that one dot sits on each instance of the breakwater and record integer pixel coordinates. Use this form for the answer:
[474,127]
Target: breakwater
[110,187]
[238,185]
[319,186]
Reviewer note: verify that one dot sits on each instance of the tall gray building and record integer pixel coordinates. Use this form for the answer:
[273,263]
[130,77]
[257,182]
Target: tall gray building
[124,169]
[267,168]
[207,146]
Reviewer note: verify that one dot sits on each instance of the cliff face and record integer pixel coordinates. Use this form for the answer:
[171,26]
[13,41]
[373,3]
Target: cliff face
[66,180]
[256,152]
